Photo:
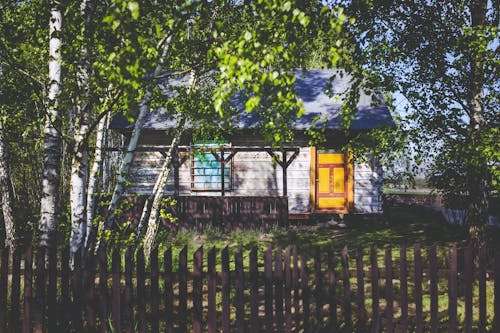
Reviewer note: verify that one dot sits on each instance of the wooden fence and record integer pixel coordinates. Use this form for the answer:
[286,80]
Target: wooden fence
[389,289]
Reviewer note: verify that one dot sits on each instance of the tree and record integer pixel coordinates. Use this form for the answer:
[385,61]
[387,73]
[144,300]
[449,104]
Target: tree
[443,56]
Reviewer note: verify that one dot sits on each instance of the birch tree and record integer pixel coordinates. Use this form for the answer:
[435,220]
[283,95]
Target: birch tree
[6,191]
[52,135]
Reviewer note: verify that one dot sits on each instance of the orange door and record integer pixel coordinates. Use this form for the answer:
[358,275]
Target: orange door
[331,184]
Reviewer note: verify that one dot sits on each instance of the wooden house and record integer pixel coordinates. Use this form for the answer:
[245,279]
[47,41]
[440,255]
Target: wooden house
[301,180]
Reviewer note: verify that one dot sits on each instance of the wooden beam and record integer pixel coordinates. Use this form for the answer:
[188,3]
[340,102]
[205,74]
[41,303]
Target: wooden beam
[312,177]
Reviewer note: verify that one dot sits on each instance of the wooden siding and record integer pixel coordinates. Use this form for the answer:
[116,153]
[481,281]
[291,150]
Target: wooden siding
[367,188]
[255,174]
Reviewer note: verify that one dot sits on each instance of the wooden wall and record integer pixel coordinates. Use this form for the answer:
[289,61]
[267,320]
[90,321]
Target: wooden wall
[255,174]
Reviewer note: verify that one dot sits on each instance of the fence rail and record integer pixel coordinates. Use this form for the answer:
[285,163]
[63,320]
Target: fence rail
[366,290]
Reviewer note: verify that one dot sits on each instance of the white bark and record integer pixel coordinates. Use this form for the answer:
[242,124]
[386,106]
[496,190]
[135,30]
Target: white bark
[151,210]
[6,193]
[52,137]
[79,163]
[129,154]
[94,179]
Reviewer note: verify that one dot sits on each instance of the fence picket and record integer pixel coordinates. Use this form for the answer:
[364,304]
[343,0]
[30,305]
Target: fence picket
[433,288]
[318,288]
[103,287]
[295,286]
[28,288]
[347,287]
[419,322]
[482,289]
[141,291]
[225,290]
[115,287]
[169,293]
[468,288]
[212,290]
[375,291]
[332,298]
[52,293]
[268,289]
[88,290]
[128,306]
[15,291]
[239,286]
[304,281]
[64,316]
[496,322]
[403,278]
[39,306]
[155,297]
[360,289]
[389,293]
[452,290]
[254,292]
[278,290]
[183,290]
[197,290]
[288,291]
[4,272]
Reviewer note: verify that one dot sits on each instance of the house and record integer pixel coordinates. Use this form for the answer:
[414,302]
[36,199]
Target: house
[309,180]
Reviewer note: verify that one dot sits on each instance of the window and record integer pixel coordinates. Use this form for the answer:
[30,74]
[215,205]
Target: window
[206,169]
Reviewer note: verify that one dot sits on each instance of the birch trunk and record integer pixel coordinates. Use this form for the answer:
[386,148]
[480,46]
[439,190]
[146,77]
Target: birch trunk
[151,210]
[79,162]
[6,192]
[129,154]
[94,179]
[52,138]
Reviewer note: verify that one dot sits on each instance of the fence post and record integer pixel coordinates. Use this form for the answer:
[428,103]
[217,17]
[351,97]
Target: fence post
[375,293]
[360,279]
[268,288]
[403,276]
[127,296]
[254,292]
[169,293]
[347,287]
[482,289]
[212,289]
[452,290]
[115,286]
[304,281]
[468,288]
[225,290]
[239,292]
[433,288]
[197,290]
[278,289]
[155,301]
[288,292]
[332,322]
[141,293]
[28,291]
[4,272]
[318,288]
[419,322]
[15,291]
[389,294]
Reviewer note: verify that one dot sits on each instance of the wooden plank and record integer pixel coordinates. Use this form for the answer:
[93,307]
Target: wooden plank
[419,320]
[360,289]
[433,288]
[452,291]
[375,290]
[496,321]
[4,272]
[212,291]
[15,292]
[304,281]
[318,287]
[482,289]
[141,291]
[155,292]
[28,288]
[288,291]
[39,306]
[268,289]
[127,296]
[312,179]
[254,292]
[278,290]
[468,285]
[403,278]
[89,281]
[169,293]
[52,294]
[332,298]
[350,180]
[64,316]
[296,286]
[183,290]
[389,293]
[115,286]
[225,289]
[347,288]
[76,291]
[239,286]
[197,290]
[102,258]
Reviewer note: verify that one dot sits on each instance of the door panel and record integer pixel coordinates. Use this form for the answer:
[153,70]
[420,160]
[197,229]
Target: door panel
[331,185]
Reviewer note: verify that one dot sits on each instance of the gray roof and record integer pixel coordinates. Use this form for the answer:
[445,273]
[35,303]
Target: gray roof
[311,87]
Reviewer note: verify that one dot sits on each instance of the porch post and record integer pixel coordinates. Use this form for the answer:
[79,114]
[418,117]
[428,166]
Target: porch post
[284,167]
[222,170]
